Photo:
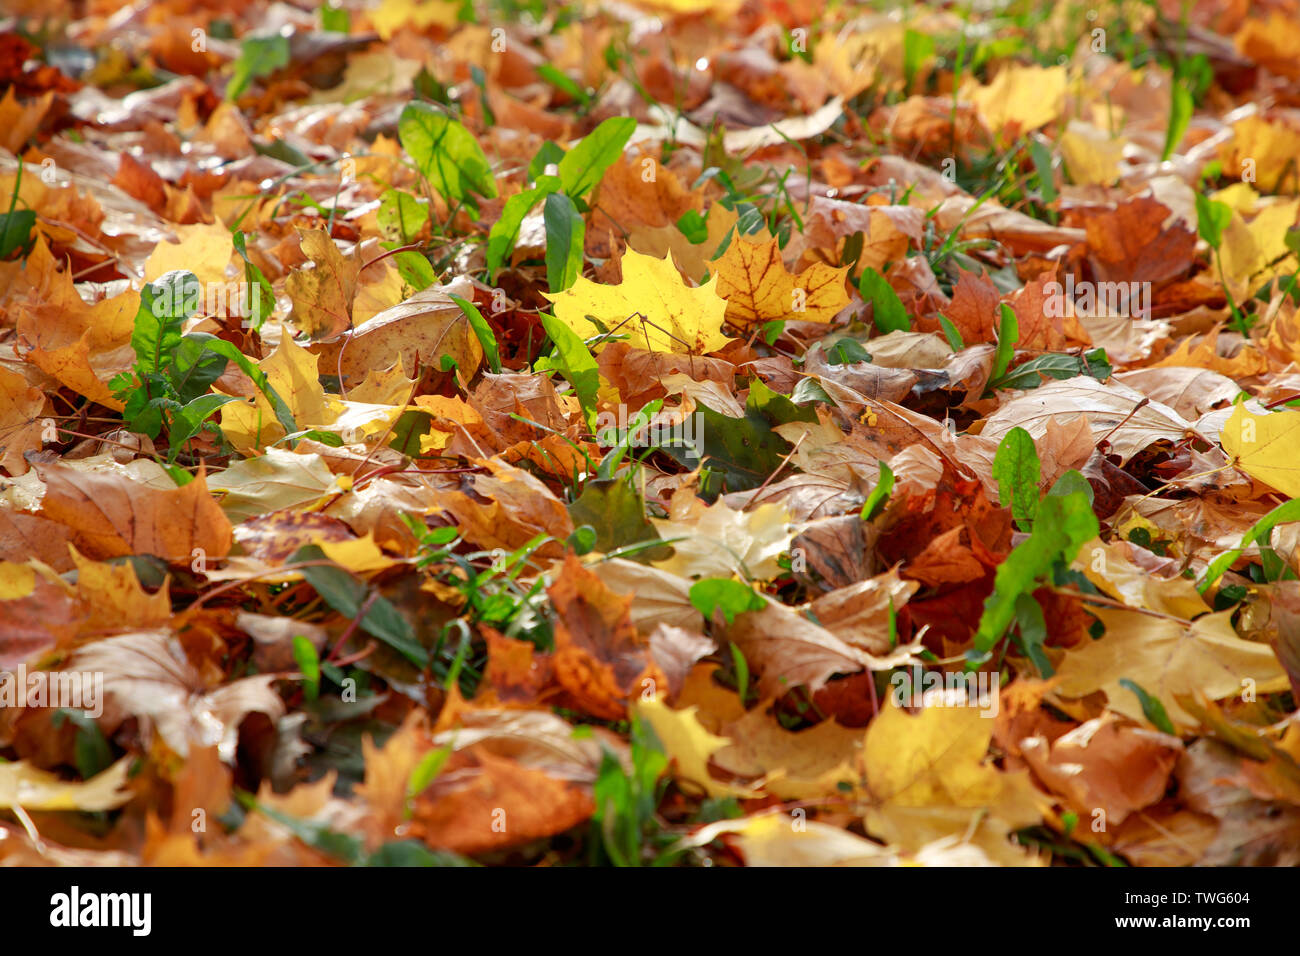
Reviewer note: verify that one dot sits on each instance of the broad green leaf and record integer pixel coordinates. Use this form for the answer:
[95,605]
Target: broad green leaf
[165,304]
[1058,365]
[727,595]
[614,509]
[1017,470]
[446,153]
[258,57]
[738,454]
[16,231]
[187,420]
[549,154]
[879,496]
[584,165]
[1180,114]
[574,361]
[483,331]
[505,231]
[1008,335]
[415,270]
[194,367]
[693,226]
[890,316]
[335,19]
[1062,525]
[565,233]
[1212,217]
[401,216]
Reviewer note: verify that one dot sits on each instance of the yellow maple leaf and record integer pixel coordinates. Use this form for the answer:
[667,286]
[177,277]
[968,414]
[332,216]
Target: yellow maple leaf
[936,758]
[1265,150]
[1254,253]
[929,780]
[652,305]
[21,425]
[817,762]
[687,742]
[693,258]
[1094,157]
[201,249]
[1168,658]
[1263,446]
[719,9]
[322,295]
[758,288]
[1025,97]
[718,541]
[1111,568]
[113,593]
[291,371]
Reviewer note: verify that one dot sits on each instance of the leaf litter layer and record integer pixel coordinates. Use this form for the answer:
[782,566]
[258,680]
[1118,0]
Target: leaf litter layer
[457,433]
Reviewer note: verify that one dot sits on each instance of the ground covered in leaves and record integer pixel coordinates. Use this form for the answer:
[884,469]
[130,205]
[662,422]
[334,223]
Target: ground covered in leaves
[680,432]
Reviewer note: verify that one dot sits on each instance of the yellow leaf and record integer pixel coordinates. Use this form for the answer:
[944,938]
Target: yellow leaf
[419,14]
[1266,149]
[687,742]
[678,318]
[936,759]
[1264,447]
[719,9]
[22,785]
[716,541]
[757,287]
[1111,568]
[322,295]
[383,387]
[1167,658]
[772,839]
[277,479]
[113,594]
[202,250]
[802,765]
[1092,155]
[929,779]
[291,370]
[360,555]
[20,420]
[1255,252]
[1025,97]
[16,580]
[693,258]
